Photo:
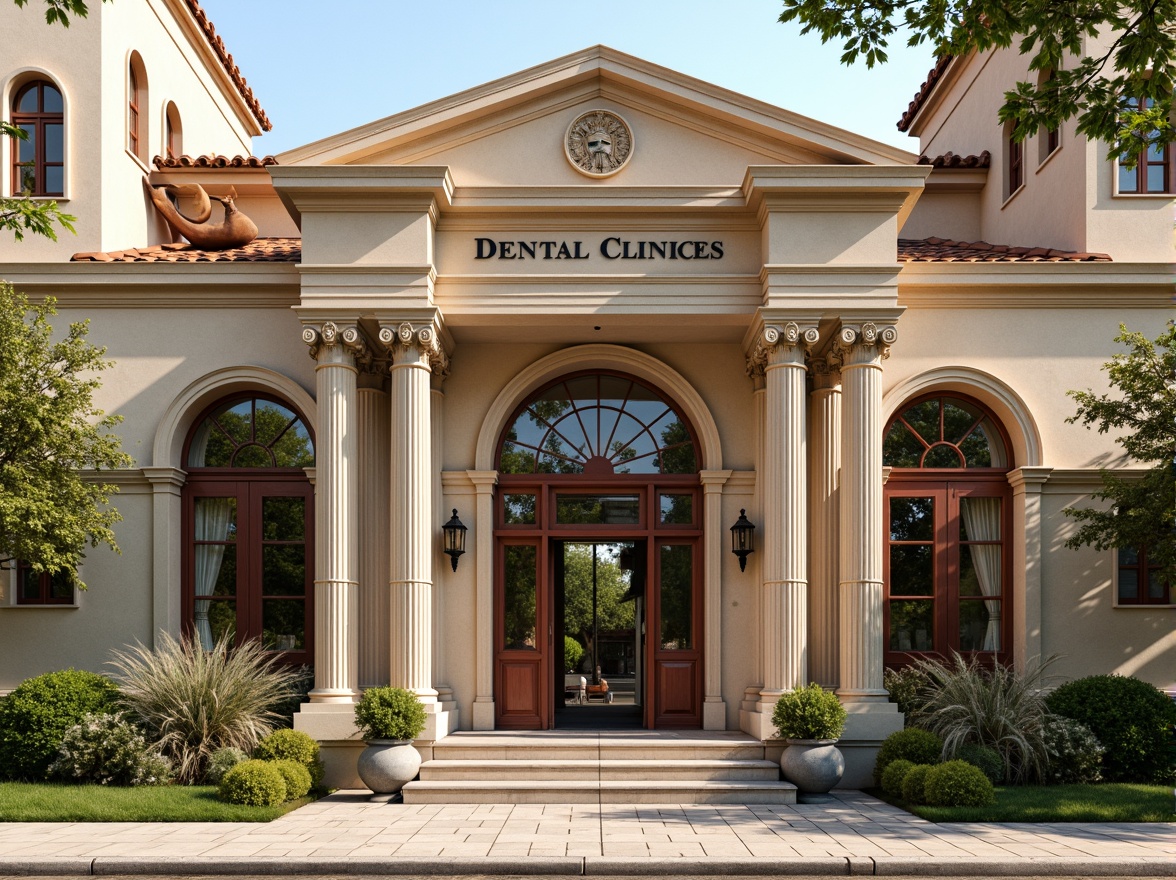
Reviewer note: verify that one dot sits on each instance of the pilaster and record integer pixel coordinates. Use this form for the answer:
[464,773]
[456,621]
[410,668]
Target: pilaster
[824,521]
[436,438]
[714,709]
[166,548]
[1027,483]
[484,482]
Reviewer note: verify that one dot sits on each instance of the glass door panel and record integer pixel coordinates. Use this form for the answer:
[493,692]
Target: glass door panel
[675,644]
[521,638]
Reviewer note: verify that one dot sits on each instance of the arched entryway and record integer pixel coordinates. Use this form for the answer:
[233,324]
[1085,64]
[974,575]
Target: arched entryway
[598,507]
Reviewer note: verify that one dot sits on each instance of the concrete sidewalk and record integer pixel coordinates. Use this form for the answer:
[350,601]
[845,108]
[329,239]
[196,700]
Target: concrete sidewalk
[347,834]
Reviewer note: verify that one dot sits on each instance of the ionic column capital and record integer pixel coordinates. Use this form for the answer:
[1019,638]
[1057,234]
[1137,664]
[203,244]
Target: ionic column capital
[825,370]
[415,344]
[337,344]
[865,344]
[780,344]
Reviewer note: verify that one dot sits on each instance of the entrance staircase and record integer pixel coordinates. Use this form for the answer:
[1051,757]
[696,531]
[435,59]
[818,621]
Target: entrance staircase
[607,767]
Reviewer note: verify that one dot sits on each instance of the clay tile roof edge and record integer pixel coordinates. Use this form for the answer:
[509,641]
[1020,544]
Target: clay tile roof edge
[213,161]
[924,92]
[951,160]
[260,250]
[941,250]
[234,72]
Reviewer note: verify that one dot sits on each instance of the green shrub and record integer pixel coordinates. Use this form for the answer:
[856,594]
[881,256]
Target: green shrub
[194,701]
[914,784]
[1075,754]
[1131,719]
[221,762]
[300,689]
[295,775]
[253,783]
[293,745]
[36,715]
[914,745]
[999,707]
[107,749]
[809,713]
[907,687]
[389,713]
[958,784]
[894,774]
[573,653]
[988,760]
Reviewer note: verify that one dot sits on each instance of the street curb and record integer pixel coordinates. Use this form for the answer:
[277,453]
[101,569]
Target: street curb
[603,866]
[1027,867]
[269,867]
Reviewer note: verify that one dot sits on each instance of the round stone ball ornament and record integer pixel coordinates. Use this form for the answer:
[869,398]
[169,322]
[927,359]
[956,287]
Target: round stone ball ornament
[598,143]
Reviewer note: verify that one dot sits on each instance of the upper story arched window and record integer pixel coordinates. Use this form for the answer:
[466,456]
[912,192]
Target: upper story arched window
[1154,170]
[598,424]
[137,122]
[38,163]
[173,133]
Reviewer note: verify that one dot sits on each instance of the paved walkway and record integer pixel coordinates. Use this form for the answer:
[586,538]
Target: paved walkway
[347,834]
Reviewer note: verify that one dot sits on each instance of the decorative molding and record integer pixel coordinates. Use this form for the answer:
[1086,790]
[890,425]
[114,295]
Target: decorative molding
[406,342]
[773,339]
[866,340]
[329,334]
[825,370]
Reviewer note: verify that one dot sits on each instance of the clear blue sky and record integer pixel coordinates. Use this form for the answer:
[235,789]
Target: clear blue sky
[320,68]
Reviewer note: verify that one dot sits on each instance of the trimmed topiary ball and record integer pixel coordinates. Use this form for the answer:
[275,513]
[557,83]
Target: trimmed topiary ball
[293,745]
[958,784]
[1131,718]
[988,760]
[1075,754]
[913,744]
[253,783]
[295,775]
[390,713]
[35,717]
[893,776]
[221,762]
[914,784]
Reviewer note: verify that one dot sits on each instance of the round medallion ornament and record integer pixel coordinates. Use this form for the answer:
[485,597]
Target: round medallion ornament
[598,143]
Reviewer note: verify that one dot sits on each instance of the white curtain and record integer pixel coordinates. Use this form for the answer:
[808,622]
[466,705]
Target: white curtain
[982,522]
[213,518]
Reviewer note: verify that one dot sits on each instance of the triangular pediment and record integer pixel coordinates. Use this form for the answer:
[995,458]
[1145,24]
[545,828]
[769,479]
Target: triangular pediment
[511,132]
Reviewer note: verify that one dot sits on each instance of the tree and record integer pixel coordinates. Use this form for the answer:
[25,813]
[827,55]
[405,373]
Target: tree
[1122,96]
[49,432]
[611,586]
[22,214]
[1142,512]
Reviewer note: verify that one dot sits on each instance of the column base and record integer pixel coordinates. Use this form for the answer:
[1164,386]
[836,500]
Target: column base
[333,695]
[755,714]
[483,715]
[439,722]
[714,715]
[869,722]
[333,726]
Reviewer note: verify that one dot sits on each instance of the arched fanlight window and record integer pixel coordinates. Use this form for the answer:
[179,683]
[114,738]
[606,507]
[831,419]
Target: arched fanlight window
[598,424]
[251,433]
[944,432]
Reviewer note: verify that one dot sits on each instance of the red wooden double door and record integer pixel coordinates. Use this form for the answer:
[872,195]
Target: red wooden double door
[598,584]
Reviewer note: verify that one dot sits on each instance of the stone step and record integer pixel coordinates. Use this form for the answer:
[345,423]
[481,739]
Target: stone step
[592,770]
[591,792]
[539,747]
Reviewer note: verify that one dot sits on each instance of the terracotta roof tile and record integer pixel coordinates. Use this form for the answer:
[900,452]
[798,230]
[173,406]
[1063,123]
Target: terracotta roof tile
[218,46]
[924,92]
[260,250]
[951,160]
[943,250]
[213,161]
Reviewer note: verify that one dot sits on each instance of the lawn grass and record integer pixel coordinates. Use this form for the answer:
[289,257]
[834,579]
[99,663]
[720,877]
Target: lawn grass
[52,802]
[1110,802]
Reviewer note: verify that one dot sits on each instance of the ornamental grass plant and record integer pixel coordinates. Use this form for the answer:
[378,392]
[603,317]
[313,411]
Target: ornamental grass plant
[193,702]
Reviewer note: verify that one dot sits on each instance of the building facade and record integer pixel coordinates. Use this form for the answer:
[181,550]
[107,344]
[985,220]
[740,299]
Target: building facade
[596,310]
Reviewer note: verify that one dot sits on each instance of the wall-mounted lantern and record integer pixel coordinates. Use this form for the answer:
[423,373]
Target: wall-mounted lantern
[455,535]
[742,539]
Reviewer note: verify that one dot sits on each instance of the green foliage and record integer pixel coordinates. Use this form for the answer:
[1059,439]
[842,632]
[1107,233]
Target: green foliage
[893,776]
[35,717]
[299,691]
[49,432]
[999,707]
[389,713]
[61,802]
[906,688]
[987,760]
[1141,513]
[107,749]
[1075,754]
[958,784]
[1132,719]
[221,762]
[573,653]
[1054,37]
[194,702]
[59,11]
[296,777]
[293,745]
[913,744]
[914,784]
[809,713]
[253,783]
[611,586]
[1109,802]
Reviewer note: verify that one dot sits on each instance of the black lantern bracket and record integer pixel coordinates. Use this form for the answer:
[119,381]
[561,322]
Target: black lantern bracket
[743,539]
[455,538]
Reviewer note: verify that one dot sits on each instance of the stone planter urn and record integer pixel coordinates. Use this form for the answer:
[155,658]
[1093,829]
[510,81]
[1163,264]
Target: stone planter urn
[814,766]
[387,764]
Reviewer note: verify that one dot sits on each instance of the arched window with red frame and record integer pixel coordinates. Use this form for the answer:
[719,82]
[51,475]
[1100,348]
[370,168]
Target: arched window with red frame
[947,564]
[38,161]
[249,527]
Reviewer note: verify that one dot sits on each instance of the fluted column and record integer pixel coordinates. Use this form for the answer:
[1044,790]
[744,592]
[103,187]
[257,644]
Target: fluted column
[860,350]
[779,355]
[824,521]
[436,441]
[336,608]
[374,429]
[414,352]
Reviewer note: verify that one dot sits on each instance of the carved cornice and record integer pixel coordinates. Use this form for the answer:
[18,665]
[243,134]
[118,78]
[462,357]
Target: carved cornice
[862,343]
[327,335]
[775,340]
[407,342]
